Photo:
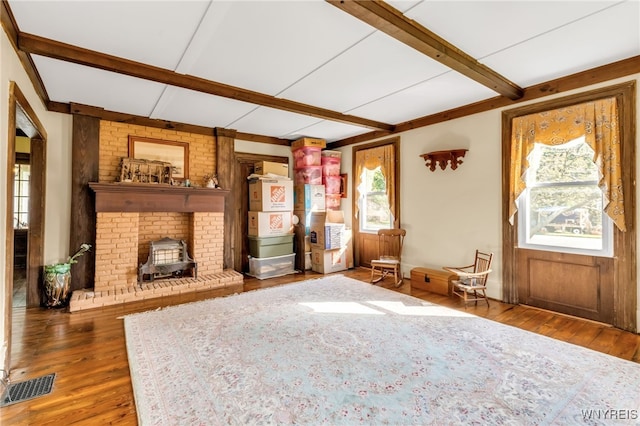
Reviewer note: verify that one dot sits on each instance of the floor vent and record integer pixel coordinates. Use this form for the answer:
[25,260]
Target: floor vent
[29,389]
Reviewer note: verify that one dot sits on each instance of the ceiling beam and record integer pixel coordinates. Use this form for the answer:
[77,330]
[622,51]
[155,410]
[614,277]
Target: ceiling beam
[65,52]
[391,21]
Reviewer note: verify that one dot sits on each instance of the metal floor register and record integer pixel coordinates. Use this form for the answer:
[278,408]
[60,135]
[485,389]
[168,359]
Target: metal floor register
[29,389]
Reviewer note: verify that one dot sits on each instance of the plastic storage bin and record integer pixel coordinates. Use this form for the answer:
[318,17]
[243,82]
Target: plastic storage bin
[271,246]
[331,162]
[331,184]
[333,201]
[311,175]
[269,267]
[307,156]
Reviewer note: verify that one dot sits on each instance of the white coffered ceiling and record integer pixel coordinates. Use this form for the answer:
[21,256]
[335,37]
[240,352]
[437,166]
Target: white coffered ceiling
[314,53]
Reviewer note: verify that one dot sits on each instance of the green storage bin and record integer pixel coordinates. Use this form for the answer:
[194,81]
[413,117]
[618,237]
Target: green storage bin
[271,246]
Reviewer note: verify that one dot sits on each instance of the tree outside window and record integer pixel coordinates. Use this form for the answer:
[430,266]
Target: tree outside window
[563,204]
[374,207]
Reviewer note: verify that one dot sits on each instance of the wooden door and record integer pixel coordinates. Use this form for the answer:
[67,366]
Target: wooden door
[366,240]
[567,283]
[367,244]
[603,289]
[244,168]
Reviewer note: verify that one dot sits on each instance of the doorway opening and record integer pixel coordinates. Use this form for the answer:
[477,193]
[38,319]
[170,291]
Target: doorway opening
[23,120]
[243,168]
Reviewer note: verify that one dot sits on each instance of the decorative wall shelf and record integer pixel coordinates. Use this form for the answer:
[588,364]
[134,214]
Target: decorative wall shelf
[435,158]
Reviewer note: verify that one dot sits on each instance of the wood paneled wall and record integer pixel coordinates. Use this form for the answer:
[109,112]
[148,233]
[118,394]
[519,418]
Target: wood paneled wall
[85,159]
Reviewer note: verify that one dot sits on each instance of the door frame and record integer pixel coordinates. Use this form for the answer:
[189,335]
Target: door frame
[625,262]
[355,223]
[22,116]
[241,242]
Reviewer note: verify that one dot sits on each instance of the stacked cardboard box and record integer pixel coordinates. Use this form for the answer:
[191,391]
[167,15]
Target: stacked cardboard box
[331,178]
[309,194]
[270,227]
[330,242]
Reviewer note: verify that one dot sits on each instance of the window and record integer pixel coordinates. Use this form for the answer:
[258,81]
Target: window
[21,196]
[374,203]
[375,183]
[562,203]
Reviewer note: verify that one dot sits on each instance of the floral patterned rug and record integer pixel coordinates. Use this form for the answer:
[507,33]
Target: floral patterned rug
[337,351]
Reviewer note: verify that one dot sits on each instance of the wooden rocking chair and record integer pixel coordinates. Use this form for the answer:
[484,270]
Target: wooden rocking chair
[471,284]
[390,243]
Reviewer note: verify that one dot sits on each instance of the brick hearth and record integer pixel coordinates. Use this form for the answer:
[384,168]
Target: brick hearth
[129,217]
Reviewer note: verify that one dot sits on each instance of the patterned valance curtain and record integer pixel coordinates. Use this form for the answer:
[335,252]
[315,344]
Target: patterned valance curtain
[383,156]
[597,121]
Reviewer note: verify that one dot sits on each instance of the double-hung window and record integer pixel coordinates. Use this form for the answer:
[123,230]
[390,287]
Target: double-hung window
[374,204]
[562,203]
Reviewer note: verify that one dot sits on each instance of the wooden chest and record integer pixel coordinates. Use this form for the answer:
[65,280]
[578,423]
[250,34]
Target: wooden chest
[433,280]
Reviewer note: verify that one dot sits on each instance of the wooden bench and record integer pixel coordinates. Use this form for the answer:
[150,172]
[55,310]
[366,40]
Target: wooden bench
[433,280]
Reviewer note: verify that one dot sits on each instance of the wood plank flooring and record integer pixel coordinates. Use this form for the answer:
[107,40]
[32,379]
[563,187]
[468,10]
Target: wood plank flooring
[87,350]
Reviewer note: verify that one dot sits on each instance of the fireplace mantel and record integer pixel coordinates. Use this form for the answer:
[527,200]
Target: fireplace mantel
[147,197]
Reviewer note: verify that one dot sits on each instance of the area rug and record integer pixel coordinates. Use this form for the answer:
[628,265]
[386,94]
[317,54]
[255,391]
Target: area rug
[336,351]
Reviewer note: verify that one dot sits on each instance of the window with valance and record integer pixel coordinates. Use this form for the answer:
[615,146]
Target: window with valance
[597,122]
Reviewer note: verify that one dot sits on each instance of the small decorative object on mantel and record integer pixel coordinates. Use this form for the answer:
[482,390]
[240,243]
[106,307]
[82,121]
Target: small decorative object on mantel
[432,159]
[210,181]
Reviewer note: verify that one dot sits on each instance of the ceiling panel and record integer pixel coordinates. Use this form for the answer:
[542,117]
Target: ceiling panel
[272,122]
[66,82]
[374,68]
[267,46]
[189,106]
[152,32]
[442,93]
[329,130]
[480,28]
[596,40]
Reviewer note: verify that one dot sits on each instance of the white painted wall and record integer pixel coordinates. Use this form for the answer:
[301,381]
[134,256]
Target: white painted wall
[450,213]
[264,149]
[58,194]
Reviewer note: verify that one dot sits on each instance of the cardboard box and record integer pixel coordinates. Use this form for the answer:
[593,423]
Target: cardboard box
[309,198]
[328,261]
[348,237]
[264,167]
[327,229]
[268,224]
[270,195]
[433,280]
[319,143]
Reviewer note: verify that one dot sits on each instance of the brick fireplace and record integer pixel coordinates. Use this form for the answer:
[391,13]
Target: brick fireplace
[129,216]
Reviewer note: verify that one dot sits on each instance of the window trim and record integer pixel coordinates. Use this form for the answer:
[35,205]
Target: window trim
[625,243]
[355,223]
[523,227]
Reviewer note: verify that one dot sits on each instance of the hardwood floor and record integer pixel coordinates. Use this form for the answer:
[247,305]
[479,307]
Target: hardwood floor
[87,350]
